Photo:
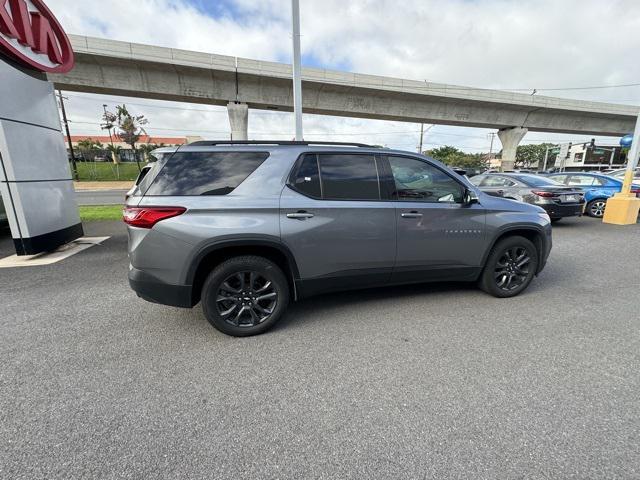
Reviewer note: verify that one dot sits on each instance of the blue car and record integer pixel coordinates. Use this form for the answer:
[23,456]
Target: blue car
[597,188]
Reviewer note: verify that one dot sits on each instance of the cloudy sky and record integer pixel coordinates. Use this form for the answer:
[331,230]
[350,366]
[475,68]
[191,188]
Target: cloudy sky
[555,46]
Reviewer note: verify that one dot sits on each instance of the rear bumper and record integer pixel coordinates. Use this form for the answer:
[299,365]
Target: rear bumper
[151,289]
[559,211]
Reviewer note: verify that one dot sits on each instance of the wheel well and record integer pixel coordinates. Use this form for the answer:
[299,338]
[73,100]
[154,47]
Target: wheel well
[214,258]
[532,235]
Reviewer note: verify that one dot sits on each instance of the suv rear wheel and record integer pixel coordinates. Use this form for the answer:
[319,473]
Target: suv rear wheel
[245,296]
[511,266]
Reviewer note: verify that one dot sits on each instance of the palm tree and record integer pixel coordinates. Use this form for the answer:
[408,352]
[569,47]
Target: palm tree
[130,127]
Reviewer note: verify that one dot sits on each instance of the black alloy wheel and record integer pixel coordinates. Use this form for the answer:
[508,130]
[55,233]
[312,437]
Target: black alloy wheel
[245,296]
[512,264]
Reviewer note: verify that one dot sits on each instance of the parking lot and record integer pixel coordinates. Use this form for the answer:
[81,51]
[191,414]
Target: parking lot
[425,381]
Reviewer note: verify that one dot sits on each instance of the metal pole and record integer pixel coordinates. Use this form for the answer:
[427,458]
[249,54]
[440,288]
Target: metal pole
[297,69]
[74,167]
[613,154]
[546,157]
[632,159]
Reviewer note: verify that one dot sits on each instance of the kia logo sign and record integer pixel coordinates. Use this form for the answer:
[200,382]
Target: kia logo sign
[31,34]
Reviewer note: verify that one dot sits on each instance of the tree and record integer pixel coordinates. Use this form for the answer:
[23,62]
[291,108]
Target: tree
[130,127]
[89,144]
[147,148]
[457,158]
[531,156]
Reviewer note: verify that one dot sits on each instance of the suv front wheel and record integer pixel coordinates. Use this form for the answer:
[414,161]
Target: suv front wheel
[245,296]
[511,266]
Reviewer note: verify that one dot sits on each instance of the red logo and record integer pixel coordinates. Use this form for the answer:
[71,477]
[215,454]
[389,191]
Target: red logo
[31,34]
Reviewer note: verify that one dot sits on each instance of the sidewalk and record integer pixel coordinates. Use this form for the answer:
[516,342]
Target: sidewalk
[115,185]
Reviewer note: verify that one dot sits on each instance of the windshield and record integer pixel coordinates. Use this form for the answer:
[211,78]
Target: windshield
[536,180]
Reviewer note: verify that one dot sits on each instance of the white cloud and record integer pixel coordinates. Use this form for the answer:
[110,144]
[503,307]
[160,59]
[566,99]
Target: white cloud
[493,43]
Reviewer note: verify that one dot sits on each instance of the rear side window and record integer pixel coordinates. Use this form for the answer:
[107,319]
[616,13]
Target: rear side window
[205,173]
[307,177]
[349,177]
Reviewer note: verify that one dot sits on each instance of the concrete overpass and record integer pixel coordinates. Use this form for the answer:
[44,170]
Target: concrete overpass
[135,70]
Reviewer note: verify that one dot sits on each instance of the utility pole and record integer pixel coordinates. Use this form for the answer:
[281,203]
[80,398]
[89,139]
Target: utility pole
[421,137]
[66,126]
[493,136]
[104,107]
[297,69]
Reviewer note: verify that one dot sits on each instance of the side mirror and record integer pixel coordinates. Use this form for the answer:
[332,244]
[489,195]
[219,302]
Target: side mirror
[470,197]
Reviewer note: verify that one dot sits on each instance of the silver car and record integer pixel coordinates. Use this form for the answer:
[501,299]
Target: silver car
[558,200]
[247,227]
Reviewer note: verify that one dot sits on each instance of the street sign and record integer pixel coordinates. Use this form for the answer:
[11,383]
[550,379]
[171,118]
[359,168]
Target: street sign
[564,150]
[626,141]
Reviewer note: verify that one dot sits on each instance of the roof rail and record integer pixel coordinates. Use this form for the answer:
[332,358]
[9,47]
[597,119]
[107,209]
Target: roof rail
[211,143]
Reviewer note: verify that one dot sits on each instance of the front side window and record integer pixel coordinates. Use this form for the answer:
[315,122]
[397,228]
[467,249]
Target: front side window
[477,180]
[349,177]
[205,173]
[418,181]
[497,181]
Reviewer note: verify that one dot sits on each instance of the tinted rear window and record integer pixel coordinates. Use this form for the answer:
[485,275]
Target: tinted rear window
[205,173]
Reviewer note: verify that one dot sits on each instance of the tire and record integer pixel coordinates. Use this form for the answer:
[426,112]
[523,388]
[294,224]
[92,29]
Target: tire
[595,208]
[555,220]
[245,296]
[504,257]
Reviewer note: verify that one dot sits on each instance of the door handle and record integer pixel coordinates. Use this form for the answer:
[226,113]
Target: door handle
[411,215]
[301,215]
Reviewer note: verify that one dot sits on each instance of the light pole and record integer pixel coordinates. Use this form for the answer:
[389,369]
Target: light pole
[297,69]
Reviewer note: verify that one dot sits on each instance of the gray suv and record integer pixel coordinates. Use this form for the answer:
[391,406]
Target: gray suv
[246,227]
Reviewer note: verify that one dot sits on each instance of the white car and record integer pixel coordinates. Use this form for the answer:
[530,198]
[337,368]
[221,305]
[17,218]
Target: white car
[620,173]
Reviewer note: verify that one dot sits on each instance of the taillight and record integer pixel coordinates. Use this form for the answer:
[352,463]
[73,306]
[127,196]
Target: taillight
[147,217]
[543,194]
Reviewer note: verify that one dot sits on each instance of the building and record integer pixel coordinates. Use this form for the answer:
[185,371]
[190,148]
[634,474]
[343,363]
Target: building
[144,139]
[582,157]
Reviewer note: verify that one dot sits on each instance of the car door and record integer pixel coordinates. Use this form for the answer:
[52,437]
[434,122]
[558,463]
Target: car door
[593,187]
[336,222]
[439,235]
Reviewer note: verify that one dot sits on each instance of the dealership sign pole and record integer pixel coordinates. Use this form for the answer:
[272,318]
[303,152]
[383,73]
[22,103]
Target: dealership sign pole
[623,207]
[297,69]
[35,180]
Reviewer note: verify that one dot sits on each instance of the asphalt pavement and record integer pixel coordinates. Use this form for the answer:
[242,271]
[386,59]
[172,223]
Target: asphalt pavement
[425,381]
[100,197]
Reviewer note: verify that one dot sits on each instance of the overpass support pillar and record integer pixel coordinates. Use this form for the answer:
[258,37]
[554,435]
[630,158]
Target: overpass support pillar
[510,138]
[239,120]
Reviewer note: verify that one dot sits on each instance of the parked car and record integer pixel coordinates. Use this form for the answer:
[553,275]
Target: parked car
[246,227]
[558,200]
[597,188]
[621,172]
